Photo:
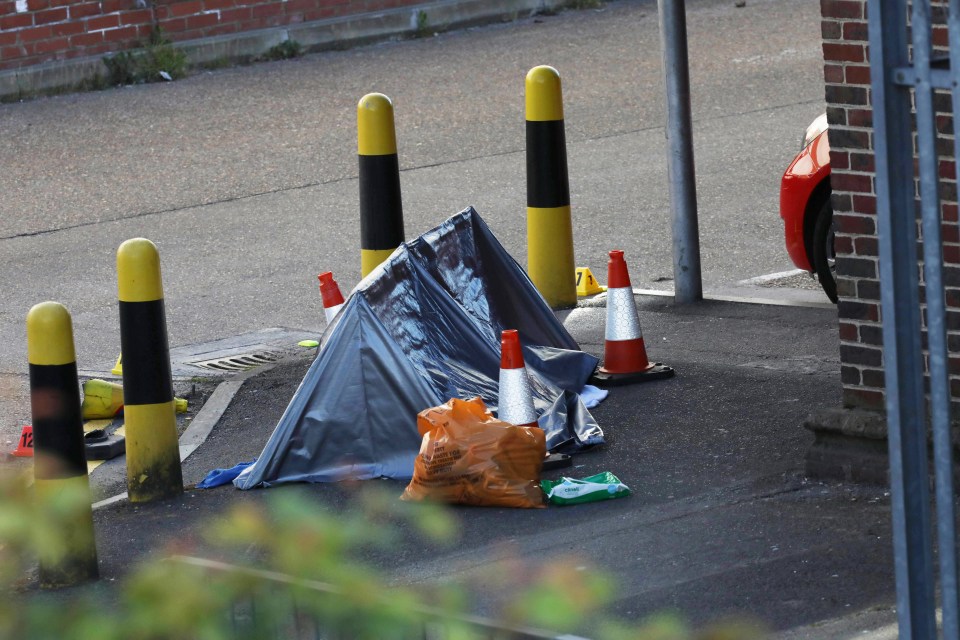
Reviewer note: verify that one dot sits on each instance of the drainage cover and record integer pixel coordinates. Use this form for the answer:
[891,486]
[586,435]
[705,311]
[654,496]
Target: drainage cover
[238,353]
[240,362]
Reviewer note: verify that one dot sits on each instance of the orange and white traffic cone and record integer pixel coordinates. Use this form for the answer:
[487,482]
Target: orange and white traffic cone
[330,293]
[624,353]
[25,443]
[515,404]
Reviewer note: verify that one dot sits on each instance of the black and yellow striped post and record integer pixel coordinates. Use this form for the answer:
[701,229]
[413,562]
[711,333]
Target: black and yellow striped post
[549,228]
[68,553]
[381,211]
[153,454]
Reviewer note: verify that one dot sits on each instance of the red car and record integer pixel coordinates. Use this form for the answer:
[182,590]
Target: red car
[806,210]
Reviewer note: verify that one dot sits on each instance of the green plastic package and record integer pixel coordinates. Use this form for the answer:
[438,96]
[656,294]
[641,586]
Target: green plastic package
[603,486]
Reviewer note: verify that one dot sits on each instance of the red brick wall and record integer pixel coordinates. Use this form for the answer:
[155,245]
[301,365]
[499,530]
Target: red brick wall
[847,77]
[37,31]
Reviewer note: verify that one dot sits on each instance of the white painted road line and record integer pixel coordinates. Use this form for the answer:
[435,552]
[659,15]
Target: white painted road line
[770,277]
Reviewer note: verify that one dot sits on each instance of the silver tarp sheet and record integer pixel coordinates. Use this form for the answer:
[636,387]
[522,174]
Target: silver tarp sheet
[421,328]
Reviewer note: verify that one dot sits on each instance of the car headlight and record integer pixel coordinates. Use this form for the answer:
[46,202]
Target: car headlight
[816,127]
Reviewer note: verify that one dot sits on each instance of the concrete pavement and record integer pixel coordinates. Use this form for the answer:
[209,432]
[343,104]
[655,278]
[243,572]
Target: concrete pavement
[722,521]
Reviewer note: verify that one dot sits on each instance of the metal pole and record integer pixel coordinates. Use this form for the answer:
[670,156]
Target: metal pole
[928,163]
[946,516]
[688,286]
[900,305]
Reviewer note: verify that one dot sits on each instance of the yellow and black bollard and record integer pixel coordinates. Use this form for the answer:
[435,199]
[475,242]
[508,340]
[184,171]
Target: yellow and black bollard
[69,554]
[153,454]
[549,228]
[381,211]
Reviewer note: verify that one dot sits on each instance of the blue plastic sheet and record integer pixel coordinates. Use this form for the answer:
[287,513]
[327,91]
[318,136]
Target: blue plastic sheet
[219,477]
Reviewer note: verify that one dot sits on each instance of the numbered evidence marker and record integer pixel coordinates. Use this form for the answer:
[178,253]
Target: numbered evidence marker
[25,443]
[587,284]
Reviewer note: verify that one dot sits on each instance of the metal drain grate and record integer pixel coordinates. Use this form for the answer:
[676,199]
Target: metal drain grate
[229,356]
[241,362]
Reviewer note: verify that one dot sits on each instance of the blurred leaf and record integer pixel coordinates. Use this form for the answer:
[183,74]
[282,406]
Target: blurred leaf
[562,595]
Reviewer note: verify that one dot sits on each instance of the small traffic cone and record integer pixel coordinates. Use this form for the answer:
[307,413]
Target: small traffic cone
[101,399]
[332,298]
[624,354]
[516,396]
[515,404]
[25,443]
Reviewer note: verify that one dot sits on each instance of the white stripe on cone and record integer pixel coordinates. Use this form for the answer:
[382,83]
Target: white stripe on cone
[515,404]
[623,322]
[331,312]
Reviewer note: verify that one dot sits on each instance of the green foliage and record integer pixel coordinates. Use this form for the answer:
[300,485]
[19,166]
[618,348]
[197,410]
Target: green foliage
[284,51]
[163,57]
[312,570]
[121,68]
[156,38]
[157,58]
[423,25]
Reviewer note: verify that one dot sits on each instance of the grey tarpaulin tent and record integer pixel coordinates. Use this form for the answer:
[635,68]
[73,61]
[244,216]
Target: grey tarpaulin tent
[422,328]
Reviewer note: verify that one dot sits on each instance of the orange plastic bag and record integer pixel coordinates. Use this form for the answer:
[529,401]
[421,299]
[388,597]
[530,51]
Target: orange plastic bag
[469,457]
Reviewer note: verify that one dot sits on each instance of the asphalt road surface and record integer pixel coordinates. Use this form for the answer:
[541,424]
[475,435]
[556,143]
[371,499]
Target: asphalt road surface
[246,178]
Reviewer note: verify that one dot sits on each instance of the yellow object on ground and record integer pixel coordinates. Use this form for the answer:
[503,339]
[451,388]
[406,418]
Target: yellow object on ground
[93,425]
[587,285]
[101,399]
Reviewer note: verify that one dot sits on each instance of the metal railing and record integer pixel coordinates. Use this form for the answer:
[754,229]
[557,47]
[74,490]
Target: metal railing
[895,78]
